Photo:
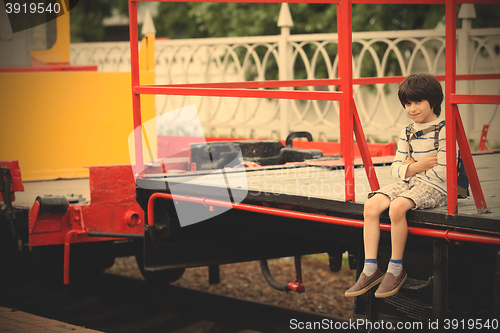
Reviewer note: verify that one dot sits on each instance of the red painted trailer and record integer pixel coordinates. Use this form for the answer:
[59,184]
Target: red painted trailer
[258,221]
[229,223]
[107,211]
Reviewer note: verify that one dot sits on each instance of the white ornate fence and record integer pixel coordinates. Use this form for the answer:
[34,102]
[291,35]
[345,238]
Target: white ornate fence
[309,56]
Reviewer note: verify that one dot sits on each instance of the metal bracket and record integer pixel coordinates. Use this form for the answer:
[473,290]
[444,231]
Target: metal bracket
[5,186]
[295,285]
[76,218]
[335,260]
[213,274]
[482,142]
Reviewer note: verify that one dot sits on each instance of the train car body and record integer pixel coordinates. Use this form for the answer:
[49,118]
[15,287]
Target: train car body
[291,210]
[65,156]
[203,202]
[221,214]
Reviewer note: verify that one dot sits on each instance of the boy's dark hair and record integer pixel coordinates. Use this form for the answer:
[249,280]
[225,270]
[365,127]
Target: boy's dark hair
[417,87]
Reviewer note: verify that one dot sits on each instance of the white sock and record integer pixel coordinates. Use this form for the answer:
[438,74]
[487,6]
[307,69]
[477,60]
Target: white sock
[370,266]
[395,267]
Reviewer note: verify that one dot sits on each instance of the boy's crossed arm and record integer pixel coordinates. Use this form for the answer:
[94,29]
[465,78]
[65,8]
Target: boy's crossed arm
[426,163]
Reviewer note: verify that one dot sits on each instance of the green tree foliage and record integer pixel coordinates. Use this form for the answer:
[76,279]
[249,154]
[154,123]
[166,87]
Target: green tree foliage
[488,16]
[196,20]
[200,20]
[369,17]
[174,20]
[86,18]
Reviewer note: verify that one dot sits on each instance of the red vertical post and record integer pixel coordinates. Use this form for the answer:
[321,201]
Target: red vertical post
[344,30]
[450,88]
[136,98]
[470,168]
[363,149]
[482,142]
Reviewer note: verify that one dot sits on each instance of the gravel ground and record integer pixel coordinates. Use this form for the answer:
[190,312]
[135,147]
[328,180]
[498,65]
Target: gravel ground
[324,289]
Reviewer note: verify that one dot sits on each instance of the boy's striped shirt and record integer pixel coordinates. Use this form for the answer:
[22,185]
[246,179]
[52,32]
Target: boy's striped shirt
[422,146]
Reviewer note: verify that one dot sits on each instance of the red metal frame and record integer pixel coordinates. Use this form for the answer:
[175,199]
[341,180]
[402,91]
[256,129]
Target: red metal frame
[50,68]
[409,2]
[319,82]
[454,127]
[348,113]
[209,203]
[112,209]
[364,150]
[344,29]
[482,142]
[15,174]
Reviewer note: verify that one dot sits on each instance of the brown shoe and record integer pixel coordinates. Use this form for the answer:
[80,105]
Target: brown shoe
[364,283]
[391,284]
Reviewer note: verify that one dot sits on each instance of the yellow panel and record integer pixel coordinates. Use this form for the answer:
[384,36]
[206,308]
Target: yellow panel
[147,55]
[56,123]
[59,53]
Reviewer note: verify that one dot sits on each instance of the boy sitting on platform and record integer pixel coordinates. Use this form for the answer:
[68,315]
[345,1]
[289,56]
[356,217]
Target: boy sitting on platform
[421,174]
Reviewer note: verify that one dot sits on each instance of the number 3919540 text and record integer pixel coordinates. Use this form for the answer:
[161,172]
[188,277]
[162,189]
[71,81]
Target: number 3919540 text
[32,8]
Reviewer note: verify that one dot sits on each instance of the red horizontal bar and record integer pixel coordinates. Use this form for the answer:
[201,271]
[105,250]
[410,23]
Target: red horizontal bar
[261,84]
[475,99]
[444,234]
[408,2]
[48,68]
[474,77]
[308,1]
[399,79]
[428,2]
[244,93]
[291,83]
[246,1]
[318,82]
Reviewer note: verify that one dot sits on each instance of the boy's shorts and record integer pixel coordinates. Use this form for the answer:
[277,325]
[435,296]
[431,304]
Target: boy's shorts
[423,195]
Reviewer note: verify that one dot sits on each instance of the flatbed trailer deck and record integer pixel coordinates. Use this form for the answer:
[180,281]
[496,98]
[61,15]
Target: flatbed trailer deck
[452,257]
[71,188]
[301,219]
[316,181]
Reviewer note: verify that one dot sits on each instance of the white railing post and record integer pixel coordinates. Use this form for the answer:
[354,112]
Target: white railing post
[285,54]
[467,13]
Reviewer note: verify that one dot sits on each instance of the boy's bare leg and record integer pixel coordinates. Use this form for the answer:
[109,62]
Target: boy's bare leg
[371,274]
[396,275]
[399,227]
[371,230]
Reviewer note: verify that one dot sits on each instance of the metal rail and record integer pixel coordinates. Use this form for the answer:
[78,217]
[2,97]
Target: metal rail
[409,2]
[348,113]
[443,234]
